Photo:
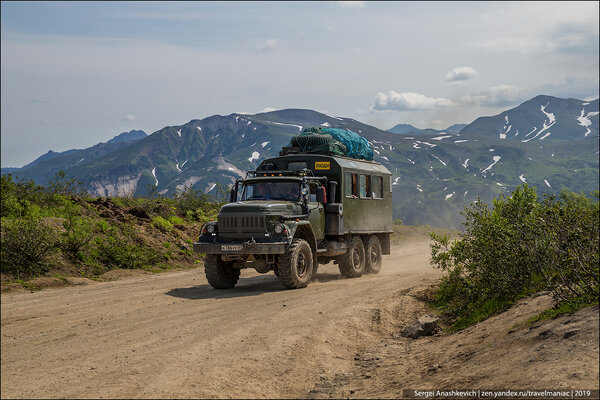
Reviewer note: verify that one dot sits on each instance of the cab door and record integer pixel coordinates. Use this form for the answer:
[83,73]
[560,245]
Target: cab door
[317,213]
[317,219]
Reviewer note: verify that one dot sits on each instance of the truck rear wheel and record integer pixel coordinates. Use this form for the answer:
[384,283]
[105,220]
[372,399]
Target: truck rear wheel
[373,255]
[220,274]
[295,267]
[352,264]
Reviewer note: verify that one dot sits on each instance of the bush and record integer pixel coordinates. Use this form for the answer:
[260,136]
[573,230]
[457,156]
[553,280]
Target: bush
[519,247]
[27,245]
[79,231]
[115,253]
[162,224]
[175,220]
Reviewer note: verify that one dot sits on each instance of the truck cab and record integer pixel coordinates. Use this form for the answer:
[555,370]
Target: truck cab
[297,211]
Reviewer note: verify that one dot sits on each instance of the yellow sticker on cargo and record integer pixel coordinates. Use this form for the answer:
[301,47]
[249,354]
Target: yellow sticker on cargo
[322,165]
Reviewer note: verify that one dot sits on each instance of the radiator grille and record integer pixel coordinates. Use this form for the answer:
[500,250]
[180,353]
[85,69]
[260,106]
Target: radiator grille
[242,223]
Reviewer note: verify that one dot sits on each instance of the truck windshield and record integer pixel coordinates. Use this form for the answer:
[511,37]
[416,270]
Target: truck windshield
[271,191]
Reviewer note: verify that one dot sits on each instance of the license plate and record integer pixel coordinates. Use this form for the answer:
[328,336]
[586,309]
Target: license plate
[231,247]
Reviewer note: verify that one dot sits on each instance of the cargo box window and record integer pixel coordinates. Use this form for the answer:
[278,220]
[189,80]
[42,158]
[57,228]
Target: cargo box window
[378,187]
[297,165]
[365,186]
[351,185]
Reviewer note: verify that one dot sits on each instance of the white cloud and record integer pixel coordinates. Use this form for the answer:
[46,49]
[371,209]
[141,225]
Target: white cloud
[129,117]
[351,4]
[460,74]
[268,45]
[501,95]
[408,101]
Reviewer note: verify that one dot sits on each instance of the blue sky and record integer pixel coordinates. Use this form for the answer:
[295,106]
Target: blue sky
[75,74]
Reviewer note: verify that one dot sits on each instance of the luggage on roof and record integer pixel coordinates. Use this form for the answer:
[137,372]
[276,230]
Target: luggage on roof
[333,141]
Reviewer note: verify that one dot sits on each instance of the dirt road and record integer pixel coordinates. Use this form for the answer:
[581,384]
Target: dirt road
[172,335]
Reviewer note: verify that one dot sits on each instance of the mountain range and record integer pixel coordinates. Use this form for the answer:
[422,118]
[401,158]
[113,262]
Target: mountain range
[547,142]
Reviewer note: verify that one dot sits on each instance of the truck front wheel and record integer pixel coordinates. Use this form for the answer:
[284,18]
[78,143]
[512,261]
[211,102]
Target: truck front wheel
[374,257]
[295,267]
[220,274]
[352,264]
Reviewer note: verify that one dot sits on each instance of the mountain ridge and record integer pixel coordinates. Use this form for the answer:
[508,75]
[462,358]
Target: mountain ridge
[435,174]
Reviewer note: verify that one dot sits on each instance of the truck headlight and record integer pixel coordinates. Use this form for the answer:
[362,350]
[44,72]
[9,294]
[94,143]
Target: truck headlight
[210,228]
[279,228]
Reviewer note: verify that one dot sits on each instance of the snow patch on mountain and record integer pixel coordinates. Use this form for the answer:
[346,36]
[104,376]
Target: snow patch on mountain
[419,188]
[439,160]
[466,163]
[396,181]
[325,124]
[255,155]
[496,159]
[522,178]
[449,195]
[179,132]
[547,183]
[441,137]
[281,123]
[584,120]
[533,130]
[209,187]
[263,144]
[154,175]
[199,128]
[551,122]
[461,141]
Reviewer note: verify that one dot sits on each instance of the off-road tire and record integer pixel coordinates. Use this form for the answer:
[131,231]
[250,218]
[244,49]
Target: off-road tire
[352,264]
[220,274]
[295,267]
[373,255]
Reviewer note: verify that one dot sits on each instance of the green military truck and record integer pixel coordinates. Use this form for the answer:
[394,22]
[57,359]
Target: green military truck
[297,211]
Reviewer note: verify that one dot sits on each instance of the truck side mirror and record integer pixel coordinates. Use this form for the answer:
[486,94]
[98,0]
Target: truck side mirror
[321,194]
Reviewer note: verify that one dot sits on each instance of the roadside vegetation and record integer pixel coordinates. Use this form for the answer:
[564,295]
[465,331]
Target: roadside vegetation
[60,230]
[521,246]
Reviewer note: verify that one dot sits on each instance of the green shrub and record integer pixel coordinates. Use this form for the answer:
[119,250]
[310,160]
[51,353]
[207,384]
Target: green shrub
[519,247]
[27,245]
[117,252]
[175,220]
[79,230]
[188,199]
[162,224]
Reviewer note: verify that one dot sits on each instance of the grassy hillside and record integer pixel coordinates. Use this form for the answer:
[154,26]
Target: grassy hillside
[58,231]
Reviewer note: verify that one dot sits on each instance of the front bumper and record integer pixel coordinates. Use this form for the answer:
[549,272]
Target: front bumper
[241,248]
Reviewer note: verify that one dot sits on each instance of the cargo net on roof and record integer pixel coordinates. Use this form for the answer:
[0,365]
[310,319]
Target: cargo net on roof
[333,141]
